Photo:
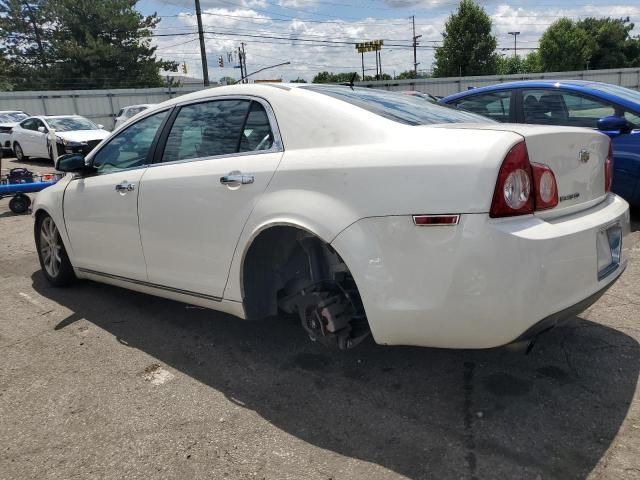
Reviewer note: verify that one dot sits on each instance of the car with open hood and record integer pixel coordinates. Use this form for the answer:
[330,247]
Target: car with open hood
[36,136]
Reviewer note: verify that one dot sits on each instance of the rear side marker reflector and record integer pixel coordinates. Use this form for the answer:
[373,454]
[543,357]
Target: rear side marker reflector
[435,220]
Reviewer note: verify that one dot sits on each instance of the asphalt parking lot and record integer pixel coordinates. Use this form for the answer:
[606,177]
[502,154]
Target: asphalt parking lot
[100,382]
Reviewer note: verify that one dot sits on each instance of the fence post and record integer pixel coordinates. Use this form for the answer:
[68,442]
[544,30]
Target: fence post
[76,110]
[44,104]
[113,114]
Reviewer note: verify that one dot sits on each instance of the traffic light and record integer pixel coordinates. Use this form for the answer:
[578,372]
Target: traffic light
[221,61]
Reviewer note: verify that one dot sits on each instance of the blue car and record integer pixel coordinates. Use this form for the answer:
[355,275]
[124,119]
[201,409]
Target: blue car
[612,109]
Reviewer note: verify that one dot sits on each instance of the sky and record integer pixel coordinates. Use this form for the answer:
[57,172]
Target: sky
[318,35]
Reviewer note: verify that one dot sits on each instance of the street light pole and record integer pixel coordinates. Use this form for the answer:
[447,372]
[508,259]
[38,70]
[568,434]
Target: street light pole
[515,42]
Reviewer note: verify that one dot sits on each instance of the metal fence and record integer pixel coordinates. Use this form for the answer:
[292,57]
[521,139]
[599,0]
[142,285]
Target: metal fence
[441,87]
[101,106]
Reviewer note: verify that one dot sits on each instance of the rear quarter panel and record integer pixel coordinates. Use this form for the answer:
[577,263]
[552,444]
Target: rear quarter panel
[422,170]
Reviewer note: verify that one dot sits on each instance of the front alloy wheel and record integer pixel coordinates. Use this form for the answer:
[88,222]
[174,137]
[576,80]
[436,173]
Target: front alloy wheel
[53,257]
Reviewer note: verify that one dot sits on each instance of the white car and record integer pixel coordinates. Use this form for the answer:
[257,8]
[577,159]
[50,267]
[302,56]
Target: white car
[8,120]
[32,137]
[362,211]
[126,113]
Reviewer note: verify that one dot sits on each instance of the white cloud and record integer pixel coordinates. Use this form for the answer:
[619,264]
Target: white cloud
[308,58]
[297,3]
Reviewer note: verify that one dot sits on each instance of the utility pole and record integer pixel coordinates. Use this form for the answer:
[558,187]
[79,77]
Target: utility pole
[362,53]
[415,46]
[380,61]
[244,61]
[515,42]
[242,72]
[203,52]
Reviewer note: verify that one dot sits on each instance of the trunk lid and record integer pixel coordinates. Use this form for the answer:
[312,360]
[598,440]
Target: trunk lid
[576,156]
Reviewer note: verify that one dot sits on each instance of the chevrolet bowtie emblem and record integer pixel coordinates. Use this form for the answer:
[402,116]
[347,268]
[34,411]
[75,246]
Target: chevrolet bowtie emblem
[583,156]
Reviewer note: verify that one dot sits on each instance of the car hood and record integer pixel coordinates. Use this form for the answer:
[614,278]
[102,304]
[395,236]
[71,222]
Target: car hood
[9,124]
[83,135]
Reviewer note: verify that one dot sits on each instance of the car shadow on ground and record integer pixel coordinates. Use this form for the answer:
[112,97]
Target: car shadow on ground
[635,219]
[423,413]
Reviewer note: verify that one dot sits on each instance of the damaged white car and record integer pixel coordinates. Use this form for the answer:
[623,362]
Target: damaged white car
[361,211]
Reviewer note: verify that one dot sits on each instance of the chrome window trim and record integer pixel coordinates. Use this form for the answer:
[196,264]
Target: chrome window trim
[212,157]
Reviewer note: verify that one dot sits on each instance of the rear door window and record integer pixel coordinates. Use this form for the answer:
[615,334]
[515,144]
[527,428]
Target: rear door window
[218,127]
[558,107]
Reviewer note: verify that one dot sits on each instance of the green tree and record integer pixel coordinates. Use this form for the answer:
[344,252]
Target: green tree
[298,80]
[406,75]
[330,77]
[518,64]
[79,44]
[468,47]
[564,46]
[227,81]
[105,43]
[608,42]
[26,42]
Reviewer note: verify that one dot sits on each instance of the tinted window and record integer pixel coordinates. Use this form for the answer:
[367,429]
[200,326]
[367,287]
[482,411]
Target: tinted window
[625,93]
[256,134]
[494,105]
[130,147]
[206,129]
[633,119]
[557,107]
[69,124]
[396,106]
[29,124]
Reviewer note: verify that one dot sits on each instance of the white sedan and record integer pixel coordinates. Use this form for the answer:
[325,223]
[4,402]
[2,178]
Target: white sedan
[362,211]
[126,113]
[8,120]
[34,136]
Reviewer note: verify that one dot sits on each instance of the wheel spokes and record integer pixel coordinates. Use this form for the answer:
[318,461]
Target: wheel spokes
[50,247]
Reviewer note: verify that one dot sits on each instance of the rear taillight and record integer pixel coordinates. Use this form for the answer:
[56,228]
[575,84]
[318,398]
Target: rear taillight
[545,186]
[523,187]
[608,170]
[512,195]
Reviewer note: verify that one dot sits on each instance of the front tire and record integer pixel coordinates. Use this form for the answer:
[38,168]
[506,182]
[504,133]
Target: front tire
[54,261]
[17,149]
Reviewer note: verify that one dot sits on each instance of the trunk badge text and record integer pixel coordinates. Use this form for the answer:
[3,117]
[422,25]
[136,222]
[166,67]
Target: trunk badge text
[571,196]
[584,155]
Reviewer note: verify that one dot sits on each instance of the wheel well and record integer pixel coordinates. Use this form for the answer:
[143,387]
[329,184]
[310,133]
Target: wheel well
[38,218]
[273,257]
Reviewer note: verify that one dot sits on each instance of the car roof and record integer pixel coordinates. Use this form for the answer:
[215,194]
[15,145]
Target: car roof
[584,86]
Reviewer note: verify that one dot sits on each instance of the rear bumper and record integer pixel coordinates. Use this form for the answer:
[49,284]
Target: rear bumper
[483,283]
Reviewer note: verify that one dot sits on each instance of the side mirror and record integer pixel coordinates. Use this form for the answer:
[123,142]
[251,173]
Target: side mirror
[42,129]
[71,162]
[614,124]
[100,125]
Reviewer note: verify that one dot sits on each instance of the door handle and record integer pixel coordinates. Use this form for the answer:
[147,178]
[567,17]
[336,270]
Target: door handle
[125,187]
[234,179]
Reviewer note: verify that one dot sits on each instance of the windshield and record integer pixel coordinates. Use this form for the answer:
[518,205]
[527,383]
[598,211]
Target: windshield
[401,108]
[12,117]
[622,92]
[69,124]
